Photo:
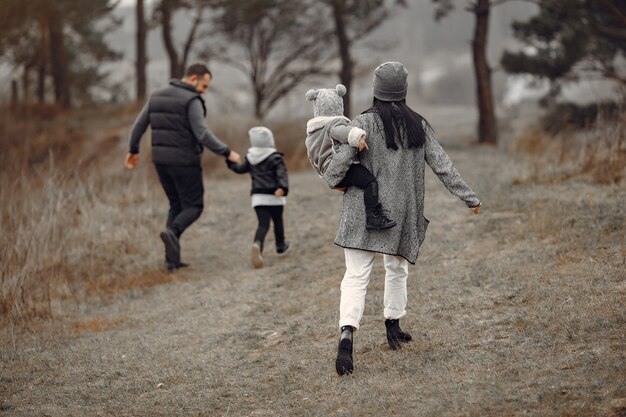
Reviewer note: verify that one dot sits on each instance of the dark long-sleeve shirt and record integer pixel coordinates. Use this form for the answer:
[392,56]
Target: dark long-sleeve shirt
[201,131]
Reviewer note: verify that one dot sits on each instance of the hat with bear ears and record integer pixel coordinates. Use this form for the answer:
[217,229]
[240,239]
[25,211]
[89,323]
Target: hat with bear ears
[327,101]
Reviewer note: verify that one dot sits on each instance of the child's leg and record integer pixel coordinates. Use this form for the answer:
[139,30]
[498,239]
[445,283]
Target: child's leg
[263,214]
[375,216]
[359,176]
[279,231]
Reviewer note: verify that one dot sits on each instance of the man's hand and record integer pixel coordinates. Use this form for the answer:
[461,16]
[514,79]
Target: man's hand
[476,209]
[362,143]
[340,188]
[131,160]
[279,193]
[234,157]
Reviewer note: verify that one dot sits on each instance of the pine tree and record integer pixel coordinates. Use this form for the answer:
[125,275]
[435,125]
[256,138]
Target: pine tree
[69,40]
[569,40]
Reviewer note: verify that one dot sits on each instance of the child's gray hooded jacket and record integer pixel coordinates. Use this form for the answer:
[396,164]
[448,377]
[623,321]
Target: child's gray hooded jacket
[324,134]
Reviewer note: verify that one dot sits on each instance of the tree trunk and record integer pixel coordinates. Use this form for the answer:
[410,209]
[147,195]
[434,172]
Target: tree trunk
[26,83]
[259,101]
[142,59]
[14,94]
[166,23]
[487,130]
[42,61]
[58,61]
[345,74]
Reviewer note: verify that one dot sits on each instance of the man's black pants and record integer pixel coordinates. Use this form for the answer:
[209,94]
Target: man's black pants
[264,214]
[185,191]
[359,176]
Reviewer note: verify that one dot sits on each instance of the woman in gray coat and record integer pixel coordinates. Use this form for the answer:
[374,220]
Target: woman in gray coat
[401,143]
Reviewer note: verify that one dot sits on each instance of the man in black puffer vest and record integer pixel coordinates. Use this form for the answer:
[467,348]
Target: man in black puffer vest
[177,114]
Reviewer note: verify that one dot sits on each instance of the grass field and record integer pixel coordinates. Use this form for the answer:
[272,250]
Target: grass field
[517,311]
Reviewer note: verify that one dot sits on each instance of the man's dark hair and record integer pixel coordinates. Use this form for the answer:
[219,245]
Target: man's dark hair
[197,69]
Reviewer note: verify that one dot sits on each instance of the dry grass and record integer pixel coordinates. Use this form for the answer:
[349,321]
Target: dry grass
[61,189]
[517,311]
[68,217]
[597,154]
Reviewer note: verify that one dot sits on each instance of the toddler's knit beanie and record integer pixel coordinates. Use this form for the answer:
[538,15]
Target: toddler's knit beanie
[327,102]
[390,81]
[261,137]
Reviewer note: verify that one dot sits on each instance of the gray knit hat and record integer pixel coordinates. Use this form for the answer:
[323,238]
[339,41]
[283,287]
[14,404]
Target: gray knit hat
[261,137]
[390,81]
[327,102]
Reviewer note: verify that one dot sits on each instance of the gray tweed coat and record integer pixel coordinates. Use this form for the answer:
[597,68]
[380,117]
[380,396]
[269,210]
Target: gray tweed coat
[400,175]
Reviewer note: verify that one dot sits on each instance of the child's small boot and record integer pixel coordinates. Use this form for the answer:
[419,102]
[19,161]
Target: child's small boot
[282,248]
[343,363]
[257,257]
[395,335]
[376,218]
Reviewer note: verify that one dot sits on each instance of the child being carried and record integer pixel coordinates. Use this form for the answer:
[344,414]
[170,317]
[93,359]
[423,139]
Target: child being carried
[329,128]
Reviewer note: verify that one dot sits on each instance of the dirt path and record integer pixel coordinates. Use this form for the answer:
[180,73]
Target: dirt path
[522,314]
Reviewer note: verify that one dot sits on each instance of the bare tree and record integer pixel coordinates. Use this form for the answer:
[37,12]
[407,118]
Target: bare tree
[487,127]
[276,45]
[165,13]
[353,20]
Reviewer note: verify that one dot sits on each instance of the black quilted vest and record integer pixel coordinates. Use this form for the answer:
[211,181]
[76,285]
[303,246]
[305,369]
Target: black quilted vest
[173,142]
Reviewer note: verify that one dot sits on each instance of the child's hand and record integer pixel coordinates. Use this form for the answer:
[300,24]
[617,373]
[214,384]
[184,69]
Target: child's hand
[279,193]
[476,209]
[362,143]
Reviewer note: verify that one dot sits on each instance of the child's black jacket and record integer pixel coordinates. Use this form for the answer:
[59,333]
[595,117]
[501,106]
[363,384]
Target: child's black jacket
[267,176]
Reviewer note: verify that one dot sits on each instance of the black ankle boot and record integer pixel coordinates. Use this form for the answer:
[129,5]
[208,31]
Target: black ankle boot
[343,363]
[376,218]
[395,335]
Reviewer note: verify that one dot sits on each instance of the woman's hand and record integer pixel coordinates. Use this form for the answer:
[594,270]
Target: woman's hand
[279,193]
[476,209]
[340,188]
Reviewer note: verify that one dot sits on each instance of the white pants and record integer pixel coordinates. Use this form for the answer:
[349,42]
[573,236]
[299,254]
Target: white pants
[354,286]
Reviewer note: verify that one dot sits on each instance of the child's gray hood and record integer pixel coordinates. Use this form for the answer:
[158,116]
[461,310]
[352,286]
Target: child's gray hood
[256,154]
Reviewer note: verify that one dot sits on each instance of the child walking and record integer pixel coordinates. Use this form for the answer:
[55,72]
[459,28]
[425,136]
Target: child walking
[270,186]
[329,128]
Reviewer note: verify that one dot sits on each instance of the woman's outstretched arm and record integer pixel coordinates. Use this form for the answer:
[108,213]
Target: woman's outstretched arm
[439,161]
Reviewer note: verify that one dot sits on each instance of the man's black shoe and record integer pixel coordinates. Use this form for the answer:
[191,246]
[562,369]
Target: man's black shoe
[172,247]
[172,266]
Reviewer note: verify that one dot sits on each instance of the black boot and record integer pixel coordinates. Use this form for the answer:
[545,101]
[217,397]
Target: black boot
[343,364]
[172,246]
[171,266]
[283,248]
[395,335]
[376,218]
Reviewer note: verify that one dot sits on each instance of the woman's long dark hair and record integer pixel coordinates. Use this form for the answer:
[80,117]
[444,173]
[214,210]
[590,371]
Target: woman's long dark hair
[398,117]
